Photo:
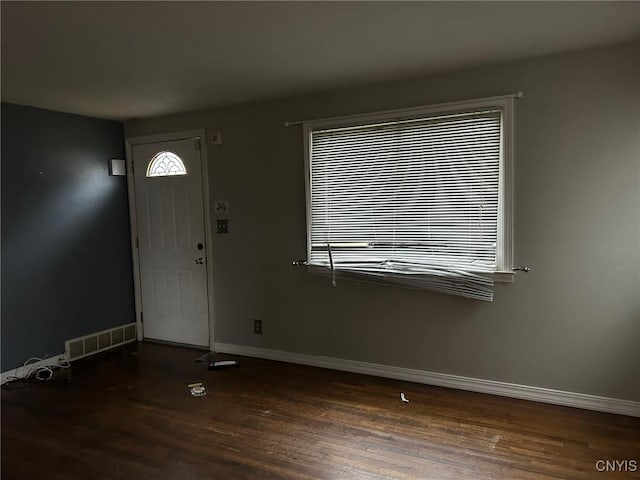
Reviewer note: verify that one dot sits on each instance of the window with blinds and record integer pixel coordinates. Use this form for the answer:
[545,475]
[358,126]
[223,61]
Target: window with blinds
[415,199]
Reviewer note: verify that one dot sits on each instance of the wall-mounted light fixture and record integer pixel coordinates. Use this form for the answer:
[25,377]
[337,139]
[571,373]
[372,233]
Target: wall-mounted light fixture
[117,167]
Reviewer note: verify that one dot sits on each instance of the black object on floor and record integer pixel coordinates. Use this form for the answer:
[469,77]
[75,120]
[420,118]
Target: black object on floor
[223,364]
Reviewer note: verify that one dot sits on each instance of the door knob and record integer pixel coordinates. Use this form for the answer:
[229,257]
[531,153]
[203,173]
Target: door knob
[200,261]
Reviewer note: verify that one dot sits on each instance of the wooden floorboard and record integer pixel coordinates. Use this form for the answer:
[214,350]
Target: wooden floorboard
[128,414]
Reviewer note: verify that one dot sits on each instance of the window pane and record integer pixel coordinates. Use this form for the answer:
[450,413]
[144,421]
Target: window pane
[420,192]
[165,164]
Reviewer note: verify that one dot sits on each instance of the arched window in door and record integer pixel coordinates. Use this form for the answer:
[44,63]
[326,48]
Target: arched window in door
[166,164]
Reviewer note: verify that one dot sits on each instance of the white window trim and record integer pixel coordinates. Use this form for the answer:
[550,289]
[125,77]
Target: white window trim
[504,253]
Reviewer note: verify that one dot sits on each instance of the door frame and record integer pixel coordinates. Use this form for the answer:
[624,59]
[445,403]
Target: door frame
[208,237]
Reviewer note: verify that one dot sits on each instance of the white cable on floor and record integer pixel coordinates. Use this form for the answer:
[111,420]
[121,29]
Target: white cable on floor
[41,373]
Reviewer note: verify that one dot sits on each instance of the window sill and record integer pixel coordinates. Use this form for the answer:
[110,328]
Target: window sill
[503,277]
[498,277]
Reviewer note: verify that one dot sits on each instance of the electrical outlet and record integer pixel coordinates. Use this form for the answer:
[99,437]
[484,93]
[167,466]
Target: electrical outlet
[257,326]
[223,225]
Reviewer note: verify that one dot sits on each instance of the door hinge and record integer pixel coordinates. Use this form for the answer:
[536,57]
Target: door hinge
[137,243]
[141,318]
[132,168]
[197,144]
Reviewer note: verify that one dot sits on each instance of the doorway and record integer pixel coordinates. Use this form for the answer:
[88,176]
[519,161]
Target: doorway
[168,207]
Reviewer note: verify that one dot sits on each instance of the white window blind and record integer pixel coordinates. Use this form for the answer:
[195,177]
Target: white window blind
[414,202]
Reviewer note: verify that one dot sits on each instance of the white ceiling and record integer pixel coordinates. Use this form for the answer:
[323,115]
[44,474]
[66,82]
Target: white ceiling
[123,60]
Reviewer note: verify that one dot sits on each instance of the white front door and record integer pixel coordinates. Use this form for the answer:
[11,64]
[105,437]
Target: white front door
[171,249]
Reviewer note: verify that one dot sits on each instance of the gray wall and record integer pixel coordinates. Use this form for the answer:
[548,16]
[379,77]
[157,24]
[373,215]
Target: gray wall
[66,259]
[572,324]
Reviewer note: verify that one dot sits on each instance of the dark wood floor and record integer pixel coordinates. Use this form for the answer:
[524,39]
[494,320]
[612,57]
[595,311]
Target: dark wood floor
[129,415]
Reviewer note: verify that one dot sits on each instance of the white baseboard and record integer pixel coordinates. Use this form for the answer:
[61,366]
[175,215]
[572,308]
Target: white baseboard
[537,394]
[22,371]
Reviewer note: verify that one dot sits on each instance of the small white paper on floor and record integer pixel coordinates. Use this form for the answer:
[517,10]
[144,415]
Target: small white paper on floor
[403,398]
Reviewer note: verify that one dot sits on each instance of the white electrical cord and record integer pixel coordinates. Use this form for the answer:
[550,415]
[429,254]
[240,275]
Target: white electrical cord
[41,373]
